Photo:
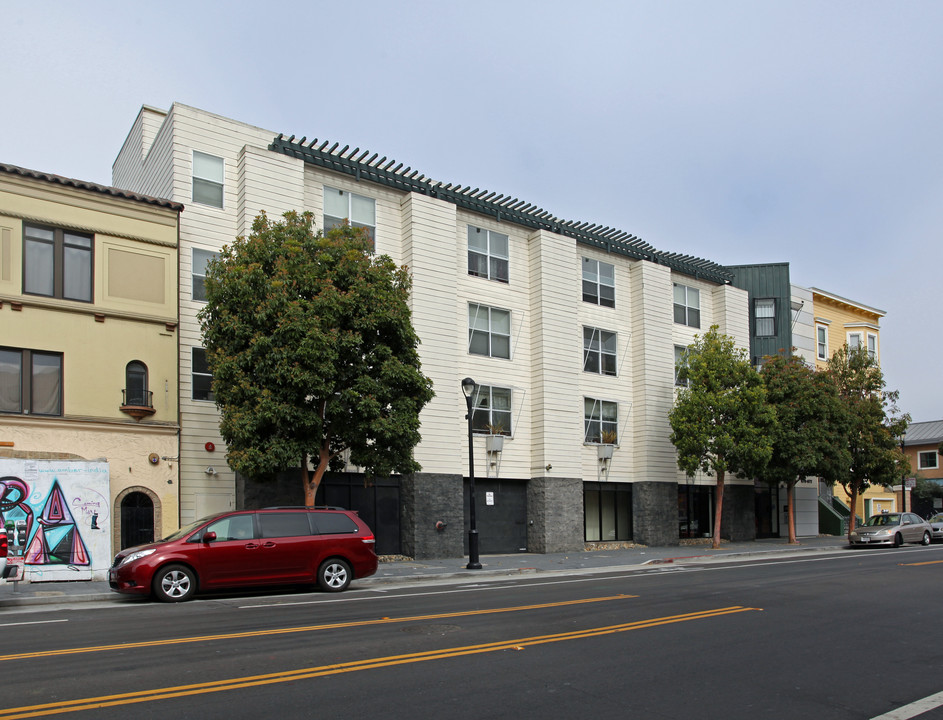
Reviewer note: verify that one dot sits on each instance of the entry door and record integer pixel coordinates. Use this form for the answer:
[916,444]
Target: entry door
[137,520]
[501,512]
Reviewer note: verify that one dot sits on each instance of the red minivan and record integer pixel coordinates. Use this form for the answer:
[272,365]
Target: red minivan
[244,548]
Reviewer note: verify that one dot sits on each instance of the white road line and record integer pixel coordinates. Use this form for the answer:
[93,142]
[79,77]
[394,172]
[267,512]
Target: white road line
[914,709]
[35,622]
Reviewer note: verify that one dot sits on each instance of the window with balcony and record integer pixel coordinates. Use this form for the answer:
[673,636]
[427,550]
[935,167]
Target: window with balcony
[359,211]
[600,421]
[57,263]
[599,351]
[599,283]
[491,410]
[30,382]
[487,254]
[489,331]
[687,305]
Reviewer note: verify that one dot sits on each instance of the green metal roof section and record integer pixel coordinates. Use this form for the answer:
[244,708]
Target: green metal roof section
[368,167]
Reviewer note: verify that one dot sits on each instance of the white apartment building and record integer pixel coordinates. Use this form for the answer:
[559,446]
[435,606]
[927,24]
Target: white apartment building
[569,329]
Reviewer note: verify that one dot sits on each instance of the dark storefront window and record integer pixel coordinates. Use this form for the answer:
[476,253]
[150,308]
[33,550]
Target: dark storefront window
[607,512]
[695,503]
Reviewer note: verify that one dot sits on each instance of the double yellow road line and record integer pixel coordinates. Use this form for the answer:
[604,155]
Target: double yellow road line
[178,691]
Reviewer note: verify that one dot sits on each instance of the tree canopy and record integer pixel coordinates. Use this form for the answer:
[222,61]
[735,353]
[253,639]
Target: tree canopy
[310,342]
[807,436]
[871,436]
[720,422]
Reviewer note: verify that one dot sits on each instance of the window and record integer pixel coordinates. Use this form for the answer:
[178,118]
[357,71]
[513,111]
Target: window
[607,511]
[764,314]
[208,173]
[489,331]
[201,377]
[599,283]
[234,527]
[600,416]
[873,345]
[491,406]
[487,254]
[680,360]
[284,524]
[927,460]
[57,263]
[135,385]
[821,342]
[198,272]
[334,523]
[599,351]
[360,211]
[30,382]
[854,341]
[687,305]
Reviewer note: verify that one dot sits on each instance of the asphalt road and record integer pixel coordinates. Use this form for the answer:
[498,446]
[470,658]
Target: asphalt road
[854,634]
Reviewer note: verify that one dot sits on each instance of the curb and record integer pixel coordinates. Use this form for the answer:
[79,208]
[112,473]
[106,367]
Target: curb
[484,575]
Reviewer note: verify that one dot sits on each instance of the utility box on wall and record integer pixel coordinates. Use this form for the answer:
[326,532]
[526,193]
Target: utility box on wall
[61,512]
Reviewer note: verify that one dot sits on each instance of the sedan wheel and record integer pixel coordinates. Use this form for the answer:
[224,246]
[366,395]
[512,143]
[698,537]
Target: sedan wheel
[334,575]
[174,583]
[926,538]
[898,540]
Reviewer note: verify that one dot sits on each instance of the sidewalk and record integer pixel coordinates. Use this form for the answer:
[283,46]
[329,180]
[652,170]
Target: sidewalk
[493,566]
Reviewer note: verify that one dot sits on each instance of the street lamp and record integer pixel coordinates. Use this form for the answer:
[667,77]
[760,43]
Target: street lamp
[903,479]
[468,389]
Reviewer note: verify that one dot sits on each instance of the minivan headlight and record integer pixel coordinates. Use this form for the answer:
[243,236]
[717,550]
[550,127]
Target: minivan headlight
[136,556]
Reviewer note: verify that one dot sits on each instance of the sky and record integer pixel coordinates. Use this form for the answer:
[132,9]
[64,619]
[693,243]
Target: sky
[739,132]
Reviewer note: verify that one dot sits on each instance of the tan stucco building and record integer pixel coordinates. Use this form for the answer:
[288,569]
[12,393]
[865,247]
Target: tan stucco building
[88,349]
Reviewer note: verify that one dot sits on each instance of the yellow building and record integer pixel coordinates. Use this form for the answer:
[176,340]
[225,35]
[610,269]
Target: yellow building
[88,363]
[838,322]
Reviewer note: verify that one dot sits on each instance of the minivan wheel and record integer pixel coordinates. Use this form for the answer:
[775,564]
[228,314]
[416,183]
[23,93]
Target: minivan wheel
[174,583]
[926,538]
[334,575]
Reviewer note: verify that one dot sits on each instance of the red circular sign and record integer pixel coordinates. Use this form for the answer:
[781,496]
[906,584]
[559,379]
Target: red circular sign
[210,447]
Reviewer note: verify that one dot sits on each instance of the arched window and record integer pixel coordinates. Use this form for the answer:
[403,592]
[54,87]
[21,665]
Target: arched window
[136,392]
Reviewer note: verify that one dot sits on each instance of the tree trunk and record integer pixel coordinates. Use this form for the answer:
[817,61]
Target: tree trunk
[854,502]
[312,480]
[791,514]
[718,509]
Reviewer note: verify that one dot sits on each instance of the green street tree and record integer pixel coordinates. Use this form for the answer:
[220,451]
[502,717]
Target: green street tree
[310,342]
[870,437]
[807,435]
[720,422]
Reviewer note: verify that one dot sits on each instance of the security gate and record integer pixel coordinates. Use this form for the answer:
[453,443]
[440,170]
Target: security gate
[501,514]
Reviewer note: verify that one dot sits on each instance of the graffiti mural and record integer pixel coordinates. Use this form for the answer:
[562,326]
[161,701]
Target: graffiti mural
[58,512]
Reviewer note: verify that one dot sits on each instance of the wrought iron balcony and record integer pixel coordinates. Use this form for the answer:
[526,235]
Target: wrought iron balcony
[137,403]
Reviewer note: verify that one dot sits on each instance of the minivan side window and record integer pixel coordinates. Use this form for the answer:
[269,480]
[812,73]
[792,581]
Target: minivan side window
[334,523]
[234,527]
[284,524]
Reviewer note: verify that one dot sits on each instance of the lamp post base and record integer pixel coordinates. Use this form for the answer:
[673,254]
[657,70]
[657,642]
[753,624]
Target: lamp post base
[473,563]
